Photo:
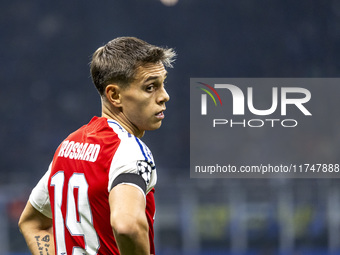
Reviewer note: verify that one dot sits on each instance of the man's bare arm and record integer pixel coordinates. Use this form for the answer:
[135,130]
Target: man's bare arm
[128,220]
[37,230]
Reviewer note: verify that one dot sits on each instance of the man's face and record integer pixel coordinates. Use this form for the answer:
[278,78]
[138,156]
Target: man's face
[143,101]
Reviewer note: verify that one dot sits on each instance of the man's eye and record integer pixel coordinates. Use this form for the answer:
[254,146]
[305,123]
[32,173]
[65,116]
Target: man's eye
[150,88]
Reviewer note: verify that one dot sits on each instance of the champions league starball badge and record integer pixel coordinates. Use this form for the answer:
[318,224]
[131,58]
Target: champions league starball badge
[144,169]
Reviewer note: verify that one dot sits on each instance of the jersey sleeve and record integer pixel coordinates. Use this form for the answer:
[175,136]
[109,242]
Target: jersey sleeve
[39,197]
[133,164]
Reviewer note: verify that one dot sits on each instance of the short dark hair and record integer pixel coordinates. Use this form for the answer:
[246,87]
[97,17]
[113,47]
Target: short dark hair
[118,60]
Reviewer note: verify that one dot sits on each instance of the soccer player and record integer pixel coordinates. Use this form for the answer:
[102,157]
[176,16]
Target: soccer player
[97,196]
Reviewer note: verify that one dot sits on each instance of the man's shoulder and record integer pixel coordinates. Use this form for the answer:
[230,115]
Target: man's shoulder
[127,139]
[97,128]
[130,146]
[90,140]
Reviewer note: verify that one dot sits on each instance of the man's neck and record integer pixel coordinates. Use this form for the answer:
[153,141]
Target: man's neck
[117,115]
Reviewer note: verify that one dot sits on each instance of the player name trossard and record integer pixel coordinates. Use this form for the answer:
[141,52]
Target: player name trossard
[261,121]
[79,151]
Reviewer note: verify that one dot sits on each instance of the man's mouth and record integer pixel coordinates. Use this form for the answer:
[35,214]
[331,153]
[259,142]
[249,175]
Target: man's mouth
[160,115]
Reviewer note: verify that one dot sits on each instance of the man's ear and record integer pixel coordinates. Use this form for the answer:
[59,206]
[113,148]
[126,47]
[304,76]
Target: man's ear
[112,92]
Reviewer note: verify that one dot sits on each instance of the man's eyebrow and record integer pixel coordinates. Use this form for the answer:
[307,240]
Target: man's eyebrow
[155,77]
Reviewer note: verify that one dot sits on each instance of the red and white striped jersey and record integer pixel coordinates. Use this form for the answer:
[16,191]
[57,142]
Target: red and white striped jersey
[75,189]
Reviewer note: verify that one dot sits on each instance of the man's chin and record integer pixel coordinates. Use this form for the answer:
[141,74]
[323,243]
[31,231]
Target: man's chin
[155,126]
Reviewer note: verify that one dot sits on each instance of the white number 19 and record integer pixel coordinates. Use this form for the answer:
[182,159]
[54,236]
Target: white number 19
[78,220]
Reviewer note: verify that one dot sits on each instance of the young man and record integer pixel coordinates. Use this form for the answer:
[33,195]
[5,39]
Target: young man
[97,195]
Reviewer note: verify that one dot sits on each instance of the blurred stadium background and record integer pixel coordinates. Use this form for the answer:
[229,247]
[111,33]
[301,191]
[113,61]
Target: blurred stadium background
[46,93]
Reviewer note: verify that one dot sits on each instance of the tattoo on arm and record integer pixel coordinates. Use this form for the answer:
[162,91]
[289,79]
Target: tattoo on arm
[43,244]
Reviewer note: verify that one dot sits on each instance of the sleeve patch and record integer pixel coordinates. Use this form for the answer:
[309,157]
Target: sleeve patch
[144,170]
